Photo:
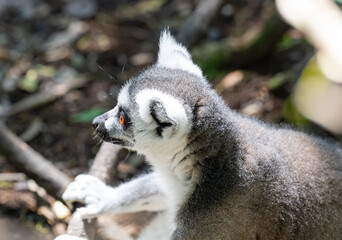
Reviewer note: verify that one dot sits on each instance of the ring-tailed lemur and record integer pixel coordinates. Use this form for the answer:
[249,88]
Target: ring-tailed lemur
[217,174]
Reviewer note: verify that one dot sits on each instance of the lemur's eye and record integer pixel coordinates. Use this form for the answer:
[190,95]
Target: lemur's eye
[122,119]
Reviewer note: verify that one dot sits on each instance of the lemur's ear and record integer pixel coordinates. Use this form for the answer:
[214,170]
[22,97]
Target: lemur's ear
[174,55]
[167,112]
[160,116]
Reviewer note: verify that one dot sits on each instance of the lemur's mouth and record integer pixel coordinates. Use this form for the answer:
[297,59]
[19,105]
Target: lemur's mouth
[101,132]
[105,137]
[112,140]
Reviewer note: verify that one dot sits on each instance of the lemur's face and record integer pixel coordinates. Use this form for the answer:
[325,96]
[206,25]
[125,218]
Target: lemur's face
[147,119]
[116,125]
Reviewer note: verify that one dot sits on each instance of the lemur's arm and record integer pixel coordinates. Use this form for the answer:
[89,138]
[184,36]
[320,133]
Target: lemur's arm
[140,194]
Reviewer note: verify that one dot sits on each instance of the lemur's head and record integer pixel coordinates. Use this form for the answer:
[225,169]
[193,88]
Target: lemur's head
[157,108]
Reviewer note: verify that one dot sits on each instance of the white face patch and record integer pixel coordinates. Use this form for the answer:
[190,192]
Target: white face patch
[175,56]
[173,138]
[173,107]
[111,122]
[123,98]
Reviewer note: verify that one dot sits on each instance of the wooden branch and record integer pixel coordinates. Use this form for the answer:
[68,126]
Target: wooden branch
[106,161]
[35,166]
[48,95]
[224,53]
[198,22]
[104,167]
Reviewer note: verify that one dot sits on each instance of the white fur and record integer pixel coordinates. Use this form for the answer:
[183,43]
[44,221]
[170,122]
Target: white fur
[140,194]
[175,56]
[158,228]
[91,191]
[68,237]
[123,97]
[161,152]
[100,198]
[148,143]
[175,188]
[173,106]
[111,122]
[123,100]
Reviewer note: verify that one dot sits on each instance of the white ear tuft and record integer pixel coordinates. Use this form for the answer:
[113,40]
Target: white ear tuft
[174,55]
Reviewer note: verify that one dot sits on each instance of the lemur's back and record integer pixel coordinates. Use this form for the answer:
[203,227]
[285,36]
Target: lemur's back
[291,188]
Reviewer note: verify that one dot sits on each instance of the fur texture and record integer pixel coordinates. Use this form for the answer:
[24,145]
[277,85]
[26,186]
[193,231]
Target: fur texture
[224,175]
[173,55]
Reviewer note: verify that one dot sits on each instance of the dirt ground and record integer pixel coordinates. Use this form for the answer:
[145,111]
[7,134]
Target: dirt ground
[13,229]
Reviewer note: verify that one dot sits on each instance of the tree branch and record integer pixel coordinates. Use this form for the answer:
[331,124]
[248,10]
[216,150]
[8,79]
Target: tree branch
[34,165]
[224,53]
[103,168]
[48,95]
[198,22]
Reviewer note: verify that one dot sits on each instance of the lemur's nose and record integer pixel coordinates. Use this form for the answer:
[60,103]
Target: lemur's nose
[96,122]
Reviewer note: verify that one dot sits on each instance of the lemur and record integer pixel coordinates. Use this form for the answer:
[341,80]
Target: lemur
[216,173]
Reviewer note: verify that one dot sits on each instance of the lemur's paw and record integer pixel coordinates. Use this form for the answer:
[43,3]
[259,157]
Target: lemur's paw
[68,237]
[88,190]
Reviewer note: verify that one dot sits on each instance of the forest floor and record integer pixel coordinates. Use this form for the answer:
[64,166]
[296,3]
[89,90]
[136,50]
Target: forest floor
[12,228]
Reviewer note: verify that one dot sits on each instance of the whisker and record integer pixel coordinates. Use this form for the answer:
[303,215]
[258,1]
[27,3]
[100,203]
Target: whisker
[123,72]
[110,76]
[99,142]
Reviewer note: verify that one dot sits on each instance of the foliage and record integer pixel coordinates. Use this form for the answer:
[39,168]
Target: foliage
[88,115]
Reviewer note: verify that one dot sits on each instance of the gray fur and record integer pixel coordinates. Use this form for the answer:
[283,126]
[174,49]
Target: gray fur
[249,180]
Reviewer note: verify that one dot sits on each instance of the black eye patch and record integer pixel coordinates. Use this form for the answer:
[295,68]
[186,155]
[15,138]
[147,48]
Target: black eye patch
[124,118]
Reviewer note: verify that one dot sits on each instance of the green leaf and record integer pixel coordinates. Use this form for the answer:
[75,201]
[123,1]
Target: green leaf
[292,115]
[277,81]
[29,82]
[285,43]
[45,71]
[88,115]
[77,60]
[141,7]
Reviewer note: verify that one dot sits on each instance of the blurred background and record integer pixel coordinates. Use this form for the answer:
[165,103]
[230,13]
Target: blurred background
[62,62]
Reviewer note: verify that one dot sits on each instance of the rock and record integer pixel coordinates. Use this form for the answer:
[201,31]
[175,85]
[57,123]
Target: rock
[230,80]
[60,210]
[252,108]
[142,58]
[81,8]
[24,8]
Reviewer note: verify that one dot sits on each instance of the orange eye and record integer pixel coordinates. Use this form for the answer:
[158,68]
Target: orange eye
[122,120]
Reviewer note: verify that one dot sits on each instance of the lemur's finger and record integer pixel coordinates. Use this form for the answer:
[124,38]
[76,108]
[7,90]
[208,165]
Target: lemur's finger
[87,196]
[76,186]
[89,211]
[71,198]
